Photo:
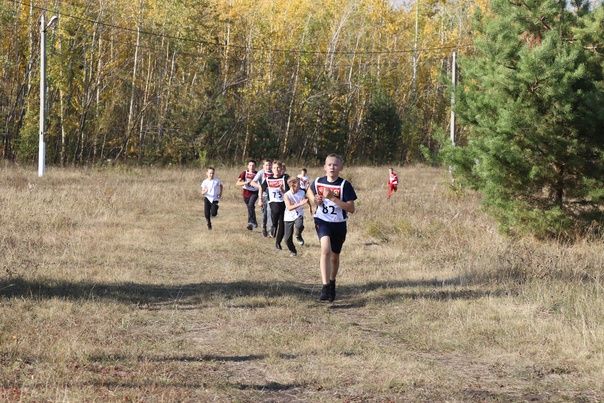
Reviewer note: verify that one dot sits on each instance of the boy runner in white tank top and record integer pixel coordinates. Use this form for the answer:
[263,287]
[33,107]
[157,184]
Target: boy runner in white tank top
[295,199]
[334,199]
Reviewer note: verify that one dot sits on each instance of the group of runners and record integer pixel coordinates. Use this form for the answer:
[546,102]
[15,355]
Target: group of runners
[283,199]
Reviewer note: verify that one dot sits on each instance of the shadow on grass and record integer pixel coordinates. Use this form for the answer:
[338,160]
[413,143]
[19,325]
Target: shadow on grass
[268,387]
[113,358]
[199,295]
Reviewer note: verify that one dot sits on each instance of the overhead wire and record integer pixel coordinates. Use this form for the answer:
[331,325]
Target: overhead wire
[237,46]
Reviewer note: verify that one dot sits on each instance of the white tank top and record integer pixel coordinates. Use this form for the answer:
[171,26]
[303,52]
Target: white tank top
[328,210]
[274,189]
[291,215]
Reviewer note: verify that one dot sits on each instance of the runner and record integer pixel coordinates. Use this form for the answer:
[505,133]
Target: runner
[392,182]
[250,193]
[259,179]
[334,199]
[211,190]
[276,187]
[294,199]
[304,182]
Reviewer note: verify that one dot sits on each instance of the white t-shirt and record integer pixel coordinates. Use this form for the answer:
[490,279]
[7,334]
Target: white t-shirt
[304,183]
[291,215]
[213,186]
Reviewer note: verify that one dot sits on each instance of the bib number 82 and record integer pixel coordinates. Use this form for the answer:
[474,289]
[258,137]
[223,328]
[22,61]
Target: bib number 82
[327,208]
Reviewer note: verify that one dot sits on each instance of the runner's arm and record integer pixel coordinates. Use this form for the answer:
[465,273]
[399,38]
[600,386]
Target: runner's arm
[347,206]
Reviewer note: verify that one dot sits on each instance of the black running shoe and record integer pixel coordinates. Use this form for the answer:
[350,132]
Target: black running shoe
[300,240]
[278,247]
[332,290]
[325,294]
[250,226]
[264,233]
[209,225]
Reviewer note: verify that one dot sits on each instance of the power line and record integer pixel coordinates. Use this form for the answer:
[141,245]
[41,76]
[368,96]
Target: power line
[236,46]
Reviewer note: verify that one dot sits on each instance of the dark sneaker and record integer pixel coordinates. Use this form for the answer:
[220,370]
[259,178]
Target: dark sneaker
[300,240]
[209,225]
[325,294]
[332,290]
[264,233]
[278,247]
[250,227]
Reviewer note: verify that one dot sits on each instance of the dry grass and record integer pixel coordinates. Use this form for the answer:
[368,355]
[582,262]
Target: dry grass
[111,288]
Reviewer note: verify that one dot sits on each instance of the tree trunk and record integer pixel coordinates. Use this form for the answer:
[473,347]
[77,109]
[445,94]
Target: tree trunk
[141,130]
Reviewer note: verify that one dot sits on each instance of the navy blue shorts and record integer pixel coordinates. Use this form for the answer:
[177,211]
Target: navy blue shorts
[336,231]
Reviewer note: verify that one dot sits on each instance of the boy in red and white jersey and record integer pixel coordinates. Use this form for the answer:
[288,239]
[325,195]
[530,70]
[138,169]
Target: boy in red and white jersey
[250,193]
[275,187]
[334,199]
[257,182]
[392,182]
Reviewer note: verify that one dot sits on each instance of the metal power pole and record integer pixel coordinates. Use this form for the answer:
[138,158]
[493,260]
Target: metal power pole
[41,144]
[453,83]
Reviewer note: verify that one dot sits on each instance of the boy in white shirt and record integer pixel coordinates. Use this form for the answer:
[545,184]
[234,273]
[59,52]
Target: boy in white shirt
[295,199]
[211,189]
[304,182]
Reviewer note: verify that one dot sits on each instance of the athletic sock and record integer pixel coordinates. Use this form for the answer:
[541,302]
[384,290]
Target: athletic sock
[332,290]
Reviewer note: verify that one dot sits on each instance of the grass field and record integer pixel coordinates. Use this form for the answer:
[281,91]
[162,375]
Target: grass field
[112,288]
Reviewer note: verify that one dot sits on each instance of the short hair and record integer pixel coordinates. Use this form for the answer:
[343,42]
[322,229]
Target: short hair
[212,168]
[278,163]
[336,156]
[268,160]
[304,170]
[254,161]
[292,180]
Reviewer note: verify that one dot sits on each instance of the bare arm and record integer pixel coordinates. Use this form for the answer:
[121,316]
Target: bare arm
[317,200]
[292,206]
[288,203]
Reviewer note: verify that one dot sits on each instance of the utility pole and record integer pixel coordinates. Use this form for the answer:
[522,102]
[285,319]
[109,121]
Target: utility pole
[415,55]
[41,144]
[453,83]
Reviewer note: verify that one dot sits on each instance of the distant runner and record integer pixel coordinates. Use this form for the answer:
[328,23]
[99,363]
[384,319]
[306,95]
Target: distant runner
[304,182]
[211,189]
[261,176]
[250,193]
[392,182]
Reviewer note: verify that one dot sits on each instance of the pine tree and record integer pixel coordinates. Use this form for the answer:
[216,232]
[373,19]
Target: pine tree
[531,100]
